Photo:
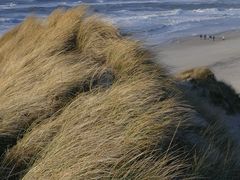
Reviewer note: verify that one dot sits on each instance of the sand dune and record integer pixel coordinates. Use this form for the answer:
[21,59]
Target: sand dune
[80,101]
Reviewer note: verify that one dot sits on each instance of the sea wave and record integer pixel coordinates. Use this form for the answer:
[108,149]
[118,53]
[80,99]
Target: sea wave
[207,10]
[147,16]
[3,20]
[102,2]
[174,17]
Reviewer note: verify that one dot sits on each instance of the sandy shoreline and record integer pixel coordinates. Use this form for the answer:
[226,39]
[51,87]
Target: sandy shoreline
[223,57]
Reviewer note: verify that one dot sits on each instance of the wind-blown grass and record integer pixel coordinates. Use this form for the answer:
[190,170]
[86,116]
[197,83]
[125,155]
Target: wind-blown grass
[79,101]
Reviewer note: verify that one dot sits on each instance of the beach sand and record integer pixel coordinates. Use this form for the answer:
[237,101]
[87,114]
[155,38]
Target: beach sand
[221,56]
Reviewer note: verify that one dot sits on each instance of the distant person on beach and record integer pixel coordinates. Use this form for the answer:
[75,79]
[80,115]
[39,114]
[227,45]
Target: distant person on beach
[210,37]
[223,38]
[205,36]
[213,38]
[201,36]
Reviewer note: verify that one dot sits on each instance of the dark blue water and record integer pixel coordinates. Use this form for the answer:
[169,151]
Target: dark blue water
[153,21]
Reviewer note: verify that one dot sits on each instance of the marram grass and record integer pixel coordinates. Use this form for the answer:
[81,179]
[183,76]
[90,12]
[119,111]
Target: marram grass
[79,101]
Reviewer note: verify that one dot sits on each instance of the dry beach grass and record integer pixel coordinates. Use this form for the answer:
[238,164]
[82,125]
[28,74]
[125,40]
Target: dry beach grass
[79,101]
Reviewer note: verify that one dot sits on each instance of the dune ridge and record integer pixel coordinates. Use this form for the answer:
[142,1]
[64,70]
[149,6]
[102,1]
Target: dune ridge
[80,101]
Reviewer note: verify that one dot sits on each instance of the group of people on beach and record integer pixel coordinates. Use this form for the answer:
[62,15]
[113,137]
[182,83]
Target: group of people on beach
[211,37]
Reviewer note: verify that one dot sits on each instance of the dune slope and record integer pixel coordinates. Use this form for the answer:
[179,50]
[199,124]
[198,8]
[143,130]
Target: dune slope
[79,101]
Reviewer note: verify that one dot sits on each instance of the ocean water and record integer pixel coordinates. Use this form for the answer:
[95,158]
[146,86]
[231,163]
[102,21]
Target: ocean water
[152,21]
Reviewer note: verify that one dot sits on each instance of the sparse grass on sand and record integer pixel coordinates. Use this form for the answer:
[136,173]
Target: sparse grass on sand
[79,101]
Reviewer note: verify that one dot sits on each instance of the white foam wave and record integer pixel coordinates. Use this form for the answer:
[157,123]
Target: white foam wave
[207,10]
[215,11]
[3,20]
[102,2]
